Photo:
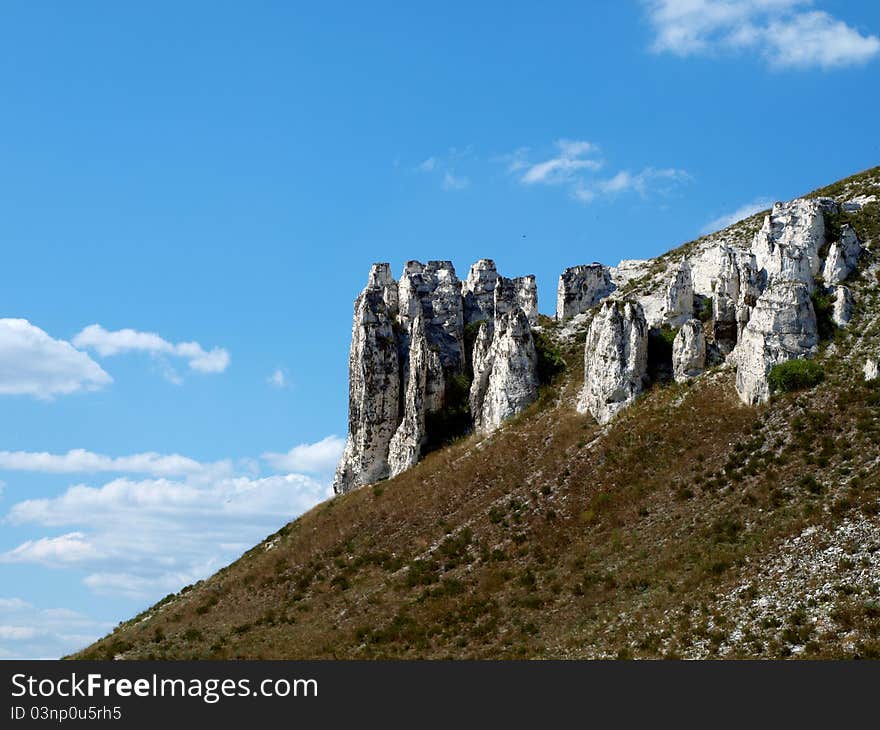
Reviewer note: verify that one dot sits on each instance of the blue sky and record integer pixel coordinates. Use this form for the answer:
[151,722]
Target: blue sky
[191,195]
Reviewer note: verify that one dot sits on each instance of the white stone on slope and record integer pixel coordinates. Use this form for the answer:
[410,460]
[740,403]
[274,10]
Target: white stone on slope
[689,351]
[581,288]
[843,306]
[871,369]
[782,327]
[787,246]
[679,303]
[505,370]
[843,256]
[615,359]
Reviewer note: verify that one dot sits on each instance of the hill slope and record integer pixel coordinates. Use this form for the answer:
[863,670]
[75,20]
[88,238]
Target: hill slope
[689,526]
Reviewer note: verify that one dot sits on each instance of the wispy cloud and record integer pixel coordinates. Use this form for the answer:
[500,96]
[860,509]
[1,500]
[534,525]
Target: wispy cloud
[744,211]
[33,363]
[445,167]
[574,165]
[572,157]
[454,182]
[109,343]
[786,33]
[278,379]
[81,461]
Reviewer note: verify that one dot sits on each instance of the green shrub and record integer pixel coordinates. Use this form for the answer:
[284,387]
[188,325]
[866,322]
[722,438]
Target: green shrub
[795,375]
[453,420]
[823,305]
[550,362]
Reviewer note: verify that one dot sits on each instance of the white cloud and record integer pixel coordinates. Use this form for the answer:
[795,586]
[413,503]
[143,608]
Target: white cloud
[161,532]
[72,547]
[786,33]
[33,363]
[82,461]
[572,167]
[320,457]
[428,165]
[277,379]
[744,211]
[109,343]
[571,159]
[29,632]
[453,182]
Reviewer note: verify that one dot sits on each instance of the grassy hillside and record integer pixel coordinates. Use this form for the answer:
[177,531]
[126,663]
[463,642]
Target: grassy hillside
[691,526]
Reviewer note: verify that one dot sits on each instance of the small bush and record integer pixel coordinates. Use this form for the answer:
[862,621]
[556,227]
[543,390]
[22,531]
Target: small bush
[795,375]
[550,362]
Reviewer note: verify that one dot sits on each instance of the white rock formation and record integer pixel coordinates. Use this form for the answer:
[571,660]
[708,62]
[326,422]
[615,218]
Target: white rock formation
[787,246]
[736,289]
[505,370]
[615,359]
[527,297]
[479,291]
[581,288]
[689,351]
[679,303]
[408,346]
[782,327]
[871,369]
[843,256]
[843,306]
[374,385]
[435,291]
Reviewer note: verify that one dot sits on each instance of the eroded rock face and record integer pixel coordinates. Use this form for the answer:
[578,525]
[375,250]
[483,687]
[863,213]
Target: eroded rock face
[615,359]
[842,312]
[374,386]
[580,288]
[787,246]
[843,256]
[679,304]
[408,345]
[871,369]
[689,351]
[527,297]
[782,327]
[737,286]
[479,291]
[505,370]
[435,291]
[423,368]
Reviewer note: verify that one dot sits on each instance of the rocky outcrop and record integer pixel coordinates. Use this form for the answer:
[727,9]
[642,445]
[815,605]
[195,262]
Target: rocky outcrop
[581,288]
[679,304]
[423,368]
[871,369]
[505,370]
[479,291]
[374,384]
[408,349]
[843,256]
[689,351]
[843,306]
[527,297]
[782,327]
[615,359]
[736,287]
[788,245]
